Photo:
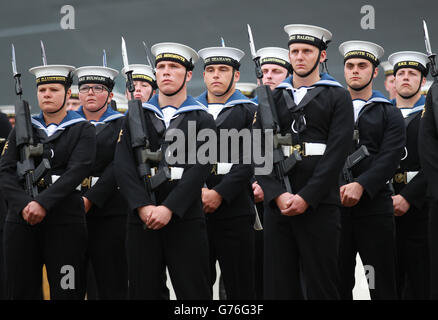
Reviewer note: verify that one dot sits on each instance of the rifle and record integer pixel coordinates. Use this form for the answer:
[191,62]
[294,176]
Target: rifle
[140,137]
[270,121]
[24,139]
[352,160]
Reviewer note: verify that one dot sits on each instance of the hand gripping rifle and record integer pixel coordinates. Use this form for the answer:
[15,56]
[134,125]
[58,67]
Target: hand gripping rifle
[351,161]
[270,121]
[24,139]
[140,137]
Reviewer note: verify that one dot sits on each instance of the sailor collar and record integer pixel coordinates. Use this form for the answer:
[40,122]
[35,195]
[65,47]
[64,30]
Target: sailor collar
[70,119]
[418,106]
[236,98]
[108,116]
[326,80]
[190,104]
[377,97]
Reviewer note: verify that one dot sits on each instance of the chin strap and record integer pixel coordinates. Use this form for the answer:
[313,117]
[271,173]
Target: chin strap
[229,86]
[314,67]
[104,104]
[363,87]
[180,88]
[410,96]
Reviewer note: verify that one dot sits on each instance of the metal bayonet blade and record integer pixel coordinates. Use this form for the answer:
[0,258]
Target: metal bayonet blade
[147,54]
[251,43]
[43,53]
[426,39]
[222,42]
[104,58]
[125,55]
[14,63]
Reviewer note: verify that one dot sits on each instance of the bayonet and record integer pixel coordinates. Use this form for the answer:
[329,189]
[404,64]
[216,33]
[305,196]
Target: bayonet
[104,58]
[17,76]
[222,42]
[43,53]
[125,55]
[426,39]
[14,63]
[429,52]
[255,58]
[251,43]
[147,55]
[128,72]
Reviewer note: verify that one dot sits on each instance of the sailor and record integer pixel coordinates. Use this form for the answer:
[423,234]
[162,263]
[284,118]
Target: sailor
[246,88]
[302,222]
[389,80]
[368,214]
[275,65]
[411,206]
[170,231]
[227,197]
[50,228]
[73,103]
[144,82]
[105,208]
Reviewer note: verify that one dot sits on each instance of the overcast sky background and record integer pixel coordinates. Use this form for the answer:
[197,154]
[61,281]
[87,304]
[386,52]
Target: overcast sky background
[197,23]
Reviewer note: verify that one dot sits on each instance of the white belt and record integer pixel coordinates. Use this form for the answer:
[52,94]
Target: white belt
[85,182]
[410,175]
[405,177]
[310,149]
[223,167]
[175,172]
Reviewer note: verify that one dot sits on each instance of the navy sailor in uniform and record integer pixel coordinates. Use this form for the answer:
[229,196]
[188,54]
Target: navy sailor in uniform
[144,82]
[389,79]
[105,207]
[411,206]
[170,231]
[368,214]
[276,67]
[302,225]
[227,197]
[49,229]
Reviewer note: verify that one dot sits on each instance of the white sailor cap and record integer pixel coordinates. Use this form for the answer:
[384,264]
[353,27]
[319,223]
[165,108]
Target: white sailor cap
[62,74]
[96,74]
[171,51]
[275,55]
[74,92]
[309,34]
[141,72]
[409,59]
[426,87]
[247,88]
[361,49]
[221,55]
[387,68]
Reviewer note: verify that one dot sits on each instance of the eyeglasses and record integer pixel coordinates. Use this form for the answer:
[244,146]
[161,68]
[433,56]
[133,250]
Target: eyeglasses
[96,89]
